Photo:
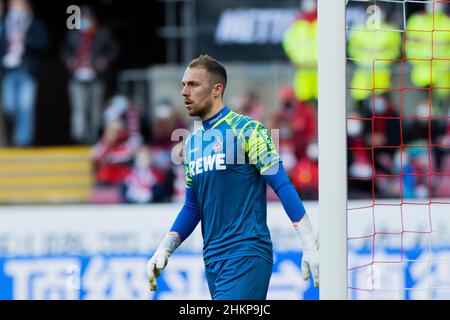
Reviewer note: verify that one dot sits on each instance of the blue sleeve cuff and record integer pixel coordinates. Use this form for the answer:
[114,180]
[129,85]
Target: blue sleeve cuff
[189,216]
[285,190]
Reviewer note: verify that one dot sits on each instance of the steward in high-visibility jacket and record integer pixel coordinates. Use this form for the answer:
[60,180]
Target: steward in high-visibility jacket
[430,45]
[300,45]
[373,50]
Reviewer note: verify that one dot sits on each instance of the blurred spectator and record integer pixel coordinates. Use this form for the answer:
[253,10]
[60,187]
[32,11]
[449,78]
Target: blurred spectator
[359,160]
[22,44]
[378,128]
[166,120]
[88,54]
[420,126]
[305,175]
[250,104]
[113,154]
[426,40]
[3,139]
[144,183]
[367,42]
[300,45]
[442,142]
[442,185]
[355,14]
[120,108]
[385,133]
[414,164]
[400,181]
[179,190]
[422,163]
[162,163]
[296,121]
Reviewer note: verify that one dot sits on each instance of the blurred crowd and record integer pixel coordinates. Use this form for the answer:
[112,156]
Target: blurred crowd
[391,156]
[23,41]
[87,52]
[398,129]
[394,144]
[132,168]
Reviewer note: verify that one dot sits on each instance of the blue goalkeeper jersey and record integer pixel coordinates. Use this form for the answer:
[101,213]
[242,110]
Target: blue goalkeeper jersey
[224,162]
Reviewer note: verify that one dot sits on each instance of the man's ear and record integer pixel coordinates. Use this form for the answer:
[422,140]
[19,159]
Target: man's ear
[218,90]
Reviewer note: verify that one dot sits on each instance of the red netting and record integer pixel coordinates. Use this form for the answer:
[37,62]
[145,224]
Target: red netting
[390,216]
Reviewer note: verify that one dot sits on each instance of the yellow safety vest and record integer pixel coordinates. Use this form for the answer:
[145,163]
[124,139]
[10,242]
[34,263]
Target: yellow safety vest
[365,45]
[300,45]
[431,42]
[368,48]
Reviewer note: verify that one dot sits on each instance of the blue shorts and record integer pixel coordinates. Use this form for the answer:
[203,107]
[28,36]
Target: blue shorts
[243,278]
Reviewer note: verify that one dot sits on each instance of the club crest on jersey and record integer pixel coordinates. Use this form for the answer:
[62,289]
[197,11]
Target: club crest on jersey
[217,147]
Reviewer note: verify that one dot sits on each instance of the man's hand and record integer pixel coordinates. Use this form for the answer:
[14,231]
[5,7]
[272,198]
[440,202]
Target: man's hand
[154,267]
[310,247]
[310,264]
[159,260]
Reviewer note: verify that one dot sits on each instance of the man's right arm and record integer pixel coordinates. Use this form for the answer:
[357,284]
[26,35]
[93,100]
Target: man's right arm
[189,216]
[186,221]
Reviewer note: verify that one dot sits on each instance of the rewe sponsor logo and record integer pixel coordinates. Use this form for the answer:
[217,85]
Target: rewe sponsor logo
[208,163]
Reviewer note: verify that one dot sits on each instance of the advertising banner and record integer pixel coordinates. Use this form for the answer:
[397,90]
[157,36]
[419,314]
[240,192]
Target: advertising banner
[244,30]
[100,252]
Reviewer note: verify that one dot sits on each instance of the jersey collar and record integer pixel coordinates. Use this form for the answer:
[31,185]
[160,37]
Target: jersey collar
[209,123]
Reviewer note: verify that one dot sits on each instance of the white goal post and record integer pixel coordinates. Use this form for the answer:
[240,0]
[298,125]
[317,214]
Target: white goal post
[332,149]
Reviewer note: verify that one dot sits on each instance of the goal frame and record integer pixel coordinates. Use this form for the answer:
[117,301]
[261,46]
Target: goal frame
[332,136]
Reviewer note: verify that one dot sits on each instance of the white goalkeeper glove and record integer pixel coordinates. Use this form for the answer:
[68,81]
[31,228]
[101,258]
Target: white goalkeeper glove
[310,248]
[158,261]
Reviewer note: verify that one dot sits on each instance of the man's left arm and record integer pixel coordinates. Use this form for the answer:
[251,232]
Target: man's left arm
[263,154]
[294,208]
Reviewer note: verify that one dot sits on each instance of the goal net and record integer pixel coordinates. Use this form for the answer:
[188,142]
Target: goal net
[398,149]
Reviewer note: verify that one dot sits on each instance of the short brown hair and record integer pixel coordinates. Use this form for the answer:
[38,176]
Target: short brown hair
[213,67]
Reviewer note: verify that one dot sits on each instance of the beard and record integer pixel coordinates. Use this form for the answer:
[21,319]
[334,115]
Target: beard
[202,108]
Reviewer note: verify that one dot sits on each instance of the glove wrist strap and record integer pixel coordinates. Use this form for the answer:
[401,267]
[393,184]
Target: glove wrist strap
[170,242]
[305,232]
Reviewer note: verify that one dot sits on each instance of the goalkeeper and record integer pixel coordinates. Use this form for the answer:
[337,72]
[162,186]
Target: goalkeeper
[228,163]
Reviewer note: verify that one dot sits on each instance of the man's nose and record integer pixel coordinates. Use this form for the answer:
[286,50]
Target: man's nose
[184,92]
